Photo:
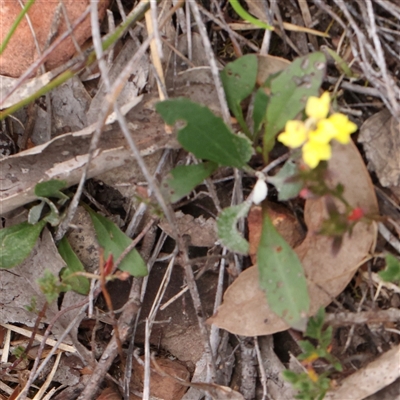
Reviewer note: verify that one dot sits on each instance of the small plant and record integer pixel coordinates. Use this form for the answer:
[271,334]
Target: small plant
[18,241]
[51,286]
[392,271]
[310,385]
[282,103]
[19,352]
[284,108]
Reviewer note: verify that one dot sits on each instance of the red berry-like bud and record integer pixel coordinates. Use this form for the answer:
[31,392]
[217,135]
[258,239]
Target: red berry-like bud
[305,193]
[356,214]
[108,266]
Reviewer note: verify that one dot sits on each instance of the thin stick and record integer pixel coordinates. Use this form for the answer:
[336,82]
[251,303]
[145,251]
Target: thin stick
[33,376]
[149,325]
[49,378]
[212,62]
[124,327]
[262,369]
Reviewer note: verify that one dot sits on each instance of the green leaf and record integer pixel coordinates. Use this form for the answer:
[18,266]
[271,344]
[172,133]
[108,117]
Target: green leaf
[290,91]
[35,212]
[184,178]
[17,242]
[341,64]
[206,135]
[392,271]
[51,189]
[282,276]
[259,109]
[315,325]
[307,348]
[79,284]
[51,286]
[227,230]
[247,17]
[239,78]
[286,181]
[53,218]
[114,242]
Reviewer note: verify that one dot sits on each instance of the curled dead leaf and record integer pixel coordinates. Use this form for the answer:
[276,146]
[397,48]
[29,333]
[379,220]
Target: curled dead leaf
[165,386]
[269,65]
[245,310]
[368,380]
[109,394]
[21,51]
[199,231]
[379,135]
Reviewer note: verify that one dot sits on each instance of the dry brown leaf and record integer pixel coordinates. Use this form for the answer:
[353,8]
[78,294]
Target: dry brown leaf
[245,310]
[217,392]
[284,221]
[368,380]
[21,50]
[109,394]
[201,232]
[268,65]
[161,387]
[380,136]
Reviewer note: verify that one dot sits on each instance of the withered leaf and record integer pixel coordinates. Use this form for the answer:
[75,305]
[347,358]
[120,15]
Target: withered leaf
[245,310]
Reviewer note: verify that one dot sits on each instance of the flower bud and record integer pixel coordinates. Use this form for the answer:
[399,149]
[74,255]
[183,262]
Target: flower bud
[260,191]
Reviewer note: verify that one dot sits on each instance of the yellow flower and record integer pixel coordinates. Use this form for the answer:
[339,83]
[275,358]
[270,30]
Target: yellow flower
[343,126]
[317,131]
[311,358]
[324,133]
[318,107]
[314,152]
[295,134]
[312,374]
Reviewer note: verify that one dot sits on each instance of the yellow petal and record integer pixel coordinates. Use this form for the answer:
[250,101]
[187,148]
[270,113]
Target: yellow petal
[318,107]
[324,133]
[295,134]
[314,152]
[344,127]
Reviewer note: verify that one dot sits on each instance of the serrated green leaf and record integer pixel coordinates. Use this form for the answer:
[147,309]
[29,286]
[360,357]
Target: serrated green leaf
[51,189]
[184,178]
[114,242]
[227,228]
[206,135]
[307,348]
[392,271]
[290,91]
[285,181]
[17,242]
[282,276]
[239,78]
[79,284]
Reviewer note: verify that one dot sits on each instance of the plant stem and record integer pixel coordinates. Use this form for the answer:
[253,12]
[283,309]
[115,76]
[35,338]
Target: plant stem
[15,25]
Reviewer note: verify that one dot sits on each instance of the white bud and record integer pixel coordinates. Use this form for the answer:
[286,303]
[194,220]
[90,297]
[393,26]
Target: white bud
[260,191]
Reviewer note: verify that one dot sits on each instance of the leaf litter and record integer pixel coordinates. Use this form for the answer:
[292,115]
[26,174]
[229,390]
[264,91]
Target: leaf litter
[245,310]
